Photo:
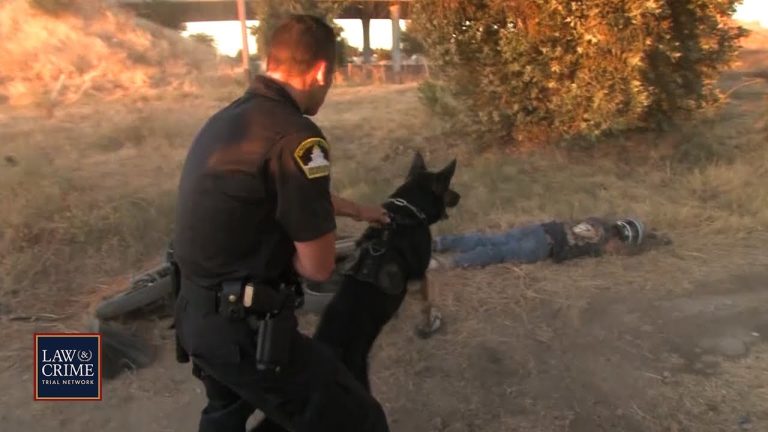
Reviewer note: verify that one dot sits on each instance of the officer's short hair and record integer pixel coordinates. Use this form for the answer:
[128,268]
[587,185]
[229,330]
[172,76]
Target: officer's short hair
[299,43]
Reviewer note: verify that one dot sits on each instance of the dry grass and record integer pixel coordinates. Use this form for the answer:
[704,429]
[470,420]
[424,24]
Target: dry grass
[90,194]
[87,199]
[96,52]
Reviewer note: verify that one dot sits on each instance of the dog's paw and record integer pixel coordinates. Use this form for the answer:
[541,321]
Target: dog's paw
[433,264]
[441,262]
[413,285]
[434,322]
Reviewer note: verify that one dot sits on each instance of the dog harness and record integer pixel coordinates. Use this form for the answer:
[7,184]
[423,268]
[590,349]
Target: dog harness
[374,260]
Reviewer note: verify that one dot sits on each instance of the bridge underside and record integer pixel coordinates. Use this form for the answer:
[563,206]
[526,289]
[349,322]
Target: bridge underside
[221,10]
[190,11]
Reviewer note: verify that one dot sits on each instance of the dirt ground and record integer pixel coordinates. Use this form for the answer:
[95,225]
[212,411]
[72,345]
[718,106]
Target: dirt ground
[618,349]
[672,340]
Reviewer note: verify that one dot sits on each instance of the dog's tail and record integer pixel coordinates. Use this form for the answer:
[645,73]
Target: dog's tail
[121,349]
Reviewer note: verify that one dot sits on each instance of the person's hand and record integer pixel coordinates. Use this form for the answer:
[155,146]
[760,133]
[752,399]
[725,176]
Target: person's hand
[372,214]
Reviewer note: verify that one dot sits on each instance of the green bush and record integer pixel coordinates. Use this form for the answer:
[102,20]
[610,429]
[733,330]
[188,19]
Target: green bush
[546,69]
[437,99]
[410,44]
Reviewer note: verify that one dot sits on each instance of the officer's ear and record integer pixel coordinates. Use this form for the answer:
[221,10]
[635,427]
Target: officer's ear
[321,73]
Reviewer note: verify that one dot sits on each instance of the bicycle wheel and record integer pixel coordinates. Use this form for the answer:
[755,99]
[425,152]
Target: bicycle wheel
[149,288]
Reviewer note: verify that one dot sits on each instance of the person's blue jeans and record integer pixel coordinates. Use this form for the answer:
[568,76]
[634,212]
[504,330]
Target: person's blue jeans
[526,244]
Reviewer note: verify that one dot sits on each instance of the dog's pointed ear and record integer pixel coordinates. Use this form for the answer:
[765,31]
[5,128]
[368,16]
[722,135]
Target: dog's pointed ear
[417,165]
[446,173]
[444,176]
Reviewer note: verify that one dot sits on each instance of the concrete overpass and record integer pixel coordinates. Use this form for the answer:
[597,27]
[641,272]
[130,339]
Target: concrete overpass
[226,10]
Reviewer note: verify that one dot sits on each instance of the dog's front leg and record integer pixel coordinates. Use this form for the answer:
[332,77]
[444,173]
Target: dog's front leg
[432,320]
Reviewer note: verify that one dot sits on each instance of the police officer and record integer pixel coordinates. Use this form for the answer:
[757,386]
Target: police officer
[254,212]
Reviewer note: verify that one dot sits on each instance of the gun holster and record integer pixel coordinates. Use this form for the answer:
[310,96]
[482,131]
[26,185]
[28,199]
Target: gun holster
[239,299]
[275,340]
[269,312]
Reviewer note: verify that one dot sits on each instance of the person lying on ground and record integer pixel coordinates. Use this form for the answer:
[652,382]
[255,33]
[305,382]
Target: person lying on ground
[559,241]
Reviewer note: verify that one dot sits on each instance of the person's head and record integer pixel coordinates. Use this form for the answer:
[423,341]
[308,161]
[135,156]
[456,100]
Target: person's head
[301,54]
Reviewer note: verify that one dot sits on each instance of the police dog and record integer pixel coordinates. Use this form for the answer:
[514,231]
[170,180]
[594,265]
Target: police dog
[386,259]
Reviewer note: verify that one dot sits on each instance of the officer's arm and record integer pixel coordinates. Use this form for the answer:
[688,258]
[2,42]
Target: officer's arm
[304,205]
[346,208]
[316,259]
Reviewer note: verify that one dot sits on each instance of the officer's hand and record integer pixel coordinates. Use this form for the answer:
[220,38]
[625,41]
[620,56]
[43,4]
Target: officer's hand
[374,215]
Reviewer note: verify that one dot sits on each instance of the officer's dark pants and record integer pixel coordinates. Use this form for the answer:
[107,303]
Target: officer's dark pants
[314,392]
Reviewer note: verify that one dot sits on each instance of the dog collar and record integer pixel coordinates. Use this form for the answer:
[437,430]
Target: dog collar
[403,203]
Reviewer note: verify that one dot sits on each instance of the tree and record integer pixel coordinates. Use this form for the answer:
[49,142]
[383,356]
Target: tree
[203,38]
[351,51]
[344,51]
[382,54]
[544,69]
[410,44]
[271,12]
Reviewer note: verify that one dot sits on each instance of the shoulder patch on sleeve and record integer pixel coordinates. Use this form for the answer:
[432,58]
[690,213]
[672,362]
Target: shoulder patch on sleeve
[313,157]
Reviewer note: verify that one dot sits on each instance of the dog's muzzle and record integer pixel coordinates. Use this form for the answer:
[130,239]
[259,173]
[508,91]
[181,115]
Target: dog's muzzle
[450,200]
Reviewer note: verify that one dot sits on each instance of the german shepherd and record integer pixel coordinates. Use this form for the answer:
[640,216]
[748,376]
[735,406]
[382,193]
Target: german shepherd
[386,259]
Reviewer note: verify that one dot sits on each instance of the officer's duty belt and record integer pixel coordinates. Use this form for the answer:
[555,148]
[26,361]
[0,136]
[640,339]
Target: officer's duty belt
[239,299]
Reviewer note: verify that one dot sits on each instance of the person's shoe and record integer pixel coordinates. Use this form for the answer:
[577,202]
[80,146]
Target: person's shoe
[631,231]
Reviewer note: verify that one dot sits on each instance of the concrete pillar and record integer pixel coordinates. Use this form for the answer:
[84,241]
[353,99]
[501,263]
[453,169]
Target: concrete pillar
[397,61]
[367,52]
[245,52]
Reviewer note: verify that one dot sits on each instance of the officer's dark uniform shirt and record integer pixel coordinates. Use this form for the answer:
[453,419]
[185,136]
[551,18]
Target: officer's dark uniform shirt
[256,179]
